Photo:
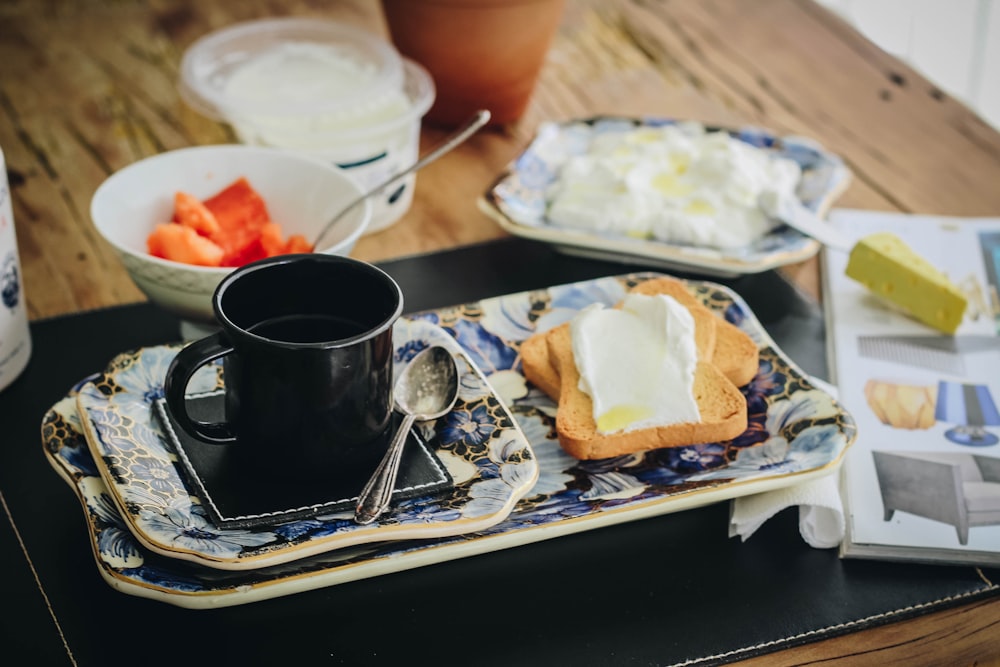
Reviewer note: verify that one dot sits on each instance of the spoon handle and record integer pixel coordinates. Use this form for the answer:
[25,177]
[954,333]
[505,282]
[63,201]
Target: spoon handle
[377,493]
[479,119]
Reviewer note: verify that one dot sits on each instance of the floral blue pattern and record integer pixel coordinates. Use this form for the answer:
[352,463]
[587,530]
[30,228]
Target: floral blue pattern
[518,200]
[796,430]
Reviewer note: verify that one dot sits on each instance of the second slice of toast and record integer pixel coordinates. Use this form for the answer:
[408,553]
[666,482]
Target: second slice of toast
[722,407]
[734,352]
[724,344]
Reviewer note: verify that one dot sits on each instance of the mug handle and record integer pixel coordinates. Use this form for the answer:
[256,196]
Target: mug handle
[188,360]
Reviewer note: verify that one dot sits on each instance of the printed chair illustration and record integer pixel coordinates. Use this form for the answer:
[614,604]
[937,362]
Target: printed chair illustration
[959,489]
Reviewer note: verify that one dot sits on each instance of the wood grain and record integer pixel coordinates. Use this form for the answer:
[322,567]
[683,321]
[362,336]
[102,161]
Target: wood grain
[77,104]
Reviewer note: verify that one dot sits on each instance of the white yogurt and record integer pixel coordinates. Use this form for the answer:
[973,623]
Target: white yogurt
[674,183]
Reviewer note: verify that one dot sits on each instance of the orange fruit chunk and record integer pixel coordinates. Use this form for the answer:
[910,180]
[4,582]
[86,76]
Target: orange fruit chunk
[297,243]
[241,213]
[180,243]
[230,228]
[190,212]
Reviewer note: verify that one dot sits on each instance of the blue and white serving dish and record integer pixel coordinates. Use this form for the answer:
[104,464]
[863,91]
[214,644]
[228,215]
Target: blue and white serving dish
[797,432]
[518,201]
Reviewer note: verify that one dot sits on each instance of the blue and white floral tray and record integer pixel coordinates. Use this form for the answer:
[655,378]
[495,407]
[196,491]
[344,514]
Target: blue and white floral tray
[517,201]
[797,432]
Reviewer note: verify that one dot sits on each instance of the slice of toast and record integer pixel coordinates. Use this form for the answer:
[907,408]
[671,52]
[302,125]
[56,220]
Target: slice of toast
[535,364]
[540,371]
[722,407]
[735,353]
[706,324]
[724,344]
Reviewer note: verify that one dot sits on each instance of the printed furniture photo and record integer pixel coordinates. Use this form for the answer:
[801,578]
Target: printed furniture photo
[959,489]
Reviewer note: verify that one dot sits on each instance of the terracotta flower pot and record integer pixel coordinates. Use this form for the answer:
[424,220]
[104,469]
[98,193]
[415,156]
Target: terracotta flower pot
[482,54]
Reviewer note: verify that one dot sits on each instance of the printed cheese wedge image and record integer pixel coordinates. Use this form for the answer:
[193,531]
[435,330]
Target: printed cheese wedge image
[883,263]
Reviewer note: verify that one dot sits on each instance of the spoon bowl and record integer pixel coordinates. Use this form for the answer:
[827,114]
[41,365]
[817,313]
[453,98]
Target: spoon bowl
[426,389]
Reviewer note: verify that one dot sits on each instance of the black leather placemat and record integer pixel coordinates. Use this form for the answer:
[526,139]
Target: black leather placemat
[669,590]
[234,497]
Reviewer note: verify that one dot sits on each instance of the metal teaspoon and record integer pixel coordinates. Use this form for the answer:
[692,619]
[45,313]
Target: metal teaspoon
[427,389]
[478,119]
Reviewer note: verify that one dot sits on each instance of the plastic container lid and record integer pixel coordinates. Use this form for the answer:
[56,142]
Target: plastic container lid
[324,89]
[358,70]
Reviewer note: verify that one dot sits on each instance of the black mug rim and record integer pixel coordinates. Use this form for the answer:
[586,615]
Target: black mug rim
[267,263]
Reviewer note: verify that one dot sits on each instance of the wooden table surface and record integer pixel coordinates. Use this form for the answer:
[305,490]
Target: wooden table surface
[86,88]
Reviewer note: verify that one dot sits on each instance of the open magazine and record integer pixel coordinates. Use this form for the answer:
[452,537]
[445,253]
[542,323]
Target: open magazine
[922,480]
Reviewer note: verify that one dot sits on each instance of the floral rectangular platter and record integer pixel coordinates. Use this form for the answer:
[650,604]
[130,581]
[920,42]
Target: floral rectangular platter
[517,201]
[797,432]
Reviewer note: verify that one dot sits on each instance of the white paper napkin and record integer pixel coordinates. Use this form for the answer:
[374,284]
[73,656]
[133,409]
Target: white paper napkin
[821,511]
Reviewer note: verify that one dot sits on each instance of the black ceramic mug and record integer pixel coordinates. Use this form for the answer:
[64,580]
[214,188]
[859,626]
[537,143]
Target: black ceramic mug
[306,343]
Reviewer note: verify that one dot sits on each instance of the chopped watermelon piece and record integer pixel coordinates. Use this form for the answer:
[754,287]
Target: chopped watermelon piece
[271,239]
[190,212]
[297,243]
[183,244]
[231,228]
[249,253]
[241,213]
[238,206]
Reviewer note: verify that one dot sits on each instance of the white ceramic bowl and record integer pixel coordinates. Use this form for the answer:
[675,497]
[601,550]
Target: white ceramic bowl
[301,194]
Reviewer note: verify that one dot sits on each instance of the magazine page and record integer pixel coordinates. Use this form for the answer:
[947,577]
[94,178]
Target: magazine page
[922,481]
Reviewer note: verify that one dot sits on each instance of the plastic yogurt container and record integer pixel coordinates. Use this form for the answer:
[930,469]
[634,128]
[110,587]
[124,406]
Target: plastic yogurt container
[320,88]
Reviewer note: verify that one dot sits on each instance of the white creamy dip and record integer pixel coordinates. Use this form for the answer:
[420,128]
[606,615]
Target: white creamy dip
[673,183]
[637,363]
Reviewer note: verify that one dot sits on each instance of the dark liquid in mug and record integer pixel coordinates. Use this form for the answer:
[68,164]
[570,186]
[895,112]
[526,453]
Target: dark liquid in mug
[307,328]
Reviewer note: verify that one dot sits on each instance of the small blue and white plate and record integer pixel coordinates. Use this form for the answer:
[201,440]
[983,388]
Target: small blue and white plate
[518,202]
[479,443]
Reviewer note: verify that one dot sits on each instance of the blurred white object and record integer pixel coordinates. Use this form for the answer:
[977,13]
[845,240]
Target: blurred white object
[795,215]
[302,194]
[320,88]
[821,511]
[15,337]
[678,183]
